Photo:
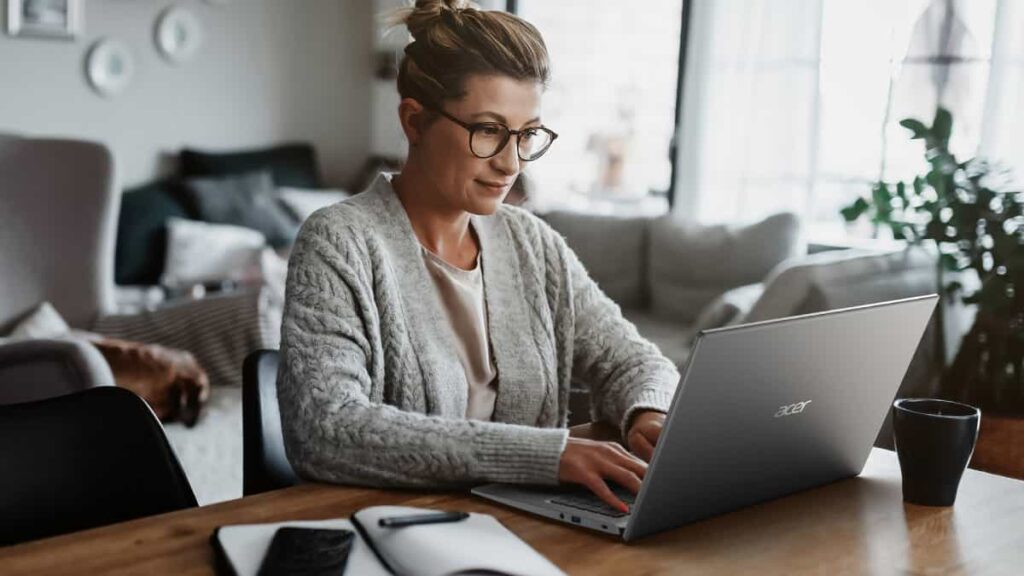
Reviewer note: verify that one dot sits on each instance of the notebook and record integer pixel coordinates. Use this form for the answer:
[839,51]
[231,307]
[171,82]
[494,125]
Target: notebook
[477,545]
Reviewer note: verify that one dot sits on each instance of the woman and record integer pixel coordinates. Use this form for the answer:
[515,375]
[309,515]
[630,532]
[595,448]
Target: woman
[430,332]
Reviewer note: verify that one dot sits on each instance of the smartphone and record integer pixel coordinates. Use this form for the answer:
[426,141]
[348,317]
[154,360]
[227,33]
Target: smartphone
[307,552]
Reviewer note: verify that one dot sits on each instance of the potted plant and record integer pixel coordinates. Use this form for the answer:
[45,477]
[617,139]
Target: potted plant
[975,223]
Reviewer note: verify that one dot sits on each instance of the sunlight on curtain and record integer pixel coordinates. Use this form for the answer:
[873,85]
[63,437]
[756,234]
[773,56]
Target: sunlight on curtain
[750,108]
[795,105]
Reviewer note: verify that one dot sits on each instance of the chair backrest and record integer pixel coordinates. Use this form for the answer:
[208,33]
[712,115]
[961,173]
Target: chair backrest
[84,460]
[265,464]
[58,216]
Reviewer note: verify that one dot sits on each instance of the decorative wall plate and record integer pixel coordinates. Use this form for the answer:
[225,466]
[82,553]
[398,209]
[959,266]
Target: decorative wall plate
[178,34]
[109,66]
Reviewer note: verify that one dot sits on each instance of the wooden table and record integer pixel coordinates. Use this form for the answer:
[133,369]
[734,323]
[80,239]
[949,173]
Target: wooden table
[857,526]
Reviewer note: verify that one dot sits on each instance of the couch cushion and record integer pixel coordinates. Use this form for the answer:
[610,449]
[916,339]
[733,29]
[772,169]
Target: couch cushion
[289,164]
[691,264]
[839,279]
[141,231]
[671,338]
[612,250]
[248,200]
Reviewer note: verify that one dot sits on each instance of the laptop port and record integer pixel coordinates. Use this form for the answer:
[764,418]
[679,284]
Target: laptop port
[575,519]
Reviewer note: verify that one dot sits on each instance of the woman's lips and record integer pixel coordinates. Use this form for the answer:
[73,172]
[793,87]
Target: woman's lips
[494,186]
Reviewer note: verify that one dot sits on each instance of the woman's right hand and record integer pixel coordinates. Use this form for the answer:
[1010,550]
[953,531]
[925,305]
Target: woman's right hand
[590,463]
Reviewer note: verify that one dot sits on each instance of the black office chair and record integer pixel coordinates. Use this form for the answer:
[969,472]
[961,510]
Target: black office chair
[84,460]
[264,463]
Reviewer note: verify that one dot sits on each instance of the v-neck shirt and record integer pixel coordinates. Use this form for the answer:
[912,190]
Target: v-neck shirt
[462,296]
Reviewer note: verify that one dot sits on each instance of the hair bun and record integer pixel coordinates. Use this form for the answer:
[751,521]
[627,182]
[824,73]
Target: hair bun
[425,14]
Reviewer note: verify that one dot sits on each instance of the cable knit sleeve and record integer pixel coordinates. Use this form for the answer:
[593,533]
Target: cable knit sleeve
[625,372]
[337,426]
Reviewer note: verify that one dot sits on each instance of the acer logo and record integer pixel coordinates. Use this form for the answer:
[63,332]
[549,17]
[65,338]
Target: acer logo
[792,409]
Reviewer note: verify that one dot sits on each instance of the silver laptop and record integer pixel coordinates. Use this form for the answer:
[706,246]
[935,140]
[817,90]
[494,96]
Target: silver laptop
[762,410]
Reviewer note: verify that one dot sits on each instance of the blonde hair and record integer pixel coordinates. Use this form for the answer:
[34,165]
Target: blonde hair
[453,40]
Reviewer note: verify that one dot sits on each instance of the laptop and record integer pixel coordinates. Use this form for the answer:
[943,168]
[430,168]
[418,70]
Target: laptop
[762,410]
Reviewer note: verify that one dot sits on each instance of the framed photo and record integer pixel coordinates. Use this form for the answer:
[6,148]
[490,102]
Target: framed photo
[44,18]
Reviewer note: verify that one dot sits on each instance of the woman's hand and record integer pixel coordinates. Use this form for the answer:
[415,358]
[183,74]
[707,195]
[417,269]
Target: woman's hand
[644,432]
[590,463]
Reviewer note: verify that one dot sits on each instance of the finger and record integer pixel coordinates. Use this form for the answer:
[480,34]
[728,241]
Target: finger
[629,461]
[642,447]
[623,477]
[599,488]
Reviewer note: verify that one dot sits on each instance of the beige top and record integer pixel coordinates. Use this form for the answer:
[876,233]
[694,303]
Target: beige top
[462,294]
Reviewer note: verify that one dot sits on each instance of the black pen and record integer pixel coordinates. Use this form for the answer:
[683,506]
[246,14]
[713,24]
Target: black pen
[435,518]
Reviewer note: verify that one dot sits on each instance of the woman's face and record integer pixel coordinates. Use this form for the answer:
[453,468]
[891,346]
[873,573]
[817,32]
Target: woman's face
[461,180]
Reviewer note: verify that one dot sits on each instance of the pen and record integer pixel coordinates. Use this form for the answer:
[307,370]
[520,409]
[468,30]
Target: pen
[435,518]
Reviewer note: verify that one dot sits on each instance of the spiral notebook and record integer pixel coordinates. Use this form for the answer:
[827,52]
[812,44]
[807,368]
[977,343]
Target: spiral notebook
[477,545]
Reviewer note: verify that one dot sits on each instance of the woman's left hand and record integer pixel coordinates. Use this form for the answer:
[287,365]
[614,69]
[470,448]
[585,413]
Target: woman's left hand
[644,432]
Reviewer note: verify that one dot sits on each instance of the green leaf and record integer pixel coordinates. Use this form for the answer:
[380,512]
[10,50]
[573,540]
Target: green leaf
[916,127]
[854,211]
[949,263]
[882,198]
[901,192]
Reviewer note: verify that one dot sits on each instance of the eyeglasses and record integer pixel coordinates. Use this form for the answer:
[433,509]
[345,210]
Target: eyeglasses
[487,139]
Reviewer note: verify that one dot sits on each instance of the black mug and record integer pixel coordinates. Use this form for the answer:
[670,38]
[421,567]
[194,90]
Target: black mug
[934,441]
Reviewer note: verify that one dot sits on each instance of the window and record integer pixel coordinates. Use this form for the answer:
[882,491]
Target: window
[612,100]
[795,106]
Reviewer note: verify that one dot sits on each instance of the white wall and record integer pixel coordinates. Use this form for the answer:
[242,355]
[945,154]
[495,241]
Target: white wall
[269,71]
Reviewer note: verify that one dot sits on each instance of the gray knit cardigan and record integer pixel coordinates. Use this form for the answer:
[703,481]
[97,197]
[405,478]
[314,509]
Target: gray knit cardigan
[371,390]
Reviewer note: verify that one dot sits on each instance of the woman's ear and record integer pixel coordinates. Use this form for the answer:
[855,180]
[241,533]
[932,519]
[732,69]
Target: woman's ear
[412,116]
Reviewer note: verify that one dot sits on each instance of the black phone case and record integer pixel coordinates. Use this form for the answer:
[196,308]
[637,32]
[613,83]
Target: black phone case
[332,560]
[307,552]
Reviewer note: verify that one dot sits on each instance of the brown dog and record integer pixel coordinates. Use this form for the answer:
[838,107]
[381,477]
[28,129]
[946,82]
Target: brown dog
[169,380]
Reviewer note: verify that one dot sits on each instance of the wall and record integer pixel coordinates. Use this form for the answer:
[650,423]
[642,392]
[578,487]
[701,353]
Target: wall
[269,71]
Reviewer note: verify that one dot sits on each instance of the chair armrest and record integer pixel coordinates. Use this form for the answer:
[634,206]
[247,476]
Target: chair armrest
[34,369]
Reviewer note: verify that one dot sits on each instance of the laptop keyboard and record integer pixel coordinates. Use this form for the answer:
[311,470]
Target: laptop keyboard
[586,500]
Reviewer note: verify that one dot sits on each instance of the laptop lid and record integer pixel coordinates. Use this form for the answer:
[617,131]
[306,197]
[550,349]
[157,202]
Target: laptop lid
[771,408]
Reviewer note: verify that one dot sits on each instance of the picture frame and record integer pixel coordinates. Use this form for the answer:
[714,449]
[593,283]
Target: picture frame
[60,19]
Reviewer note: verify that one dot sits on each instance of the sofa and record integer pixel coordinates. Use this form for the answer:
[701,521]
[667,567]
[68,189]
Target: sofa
[673,278]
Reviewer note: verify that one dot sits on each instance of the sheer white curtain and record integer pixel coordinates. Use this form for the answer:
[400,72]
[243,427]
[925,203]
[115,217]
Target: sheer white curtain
[750,104]
[795,105]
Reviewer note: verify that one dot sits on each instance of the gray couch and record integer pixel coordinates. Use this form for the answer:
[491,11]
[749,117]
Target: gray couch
[674,278]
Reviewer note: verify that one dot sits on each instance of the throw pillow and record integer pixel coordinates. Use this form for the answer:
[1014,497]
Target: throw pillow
[289,164]
[690,263]
[202,253]
[302,202]
[243,200]
[43,322]
[142,232]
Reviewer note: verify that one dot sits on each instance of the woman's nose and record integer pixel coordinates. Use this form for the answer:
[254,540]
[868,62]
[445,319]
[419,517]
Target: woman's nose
[507,160]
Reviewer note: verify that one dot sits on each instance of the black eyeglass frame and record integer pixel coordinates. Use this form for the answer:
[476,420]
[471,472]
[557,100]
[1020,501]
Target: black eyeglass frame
[509,133]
